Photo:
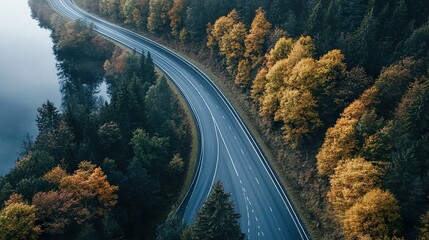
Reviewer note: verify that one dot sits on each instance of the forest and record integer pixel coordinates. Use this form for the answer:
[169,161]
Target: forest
[338,91]
[107,168]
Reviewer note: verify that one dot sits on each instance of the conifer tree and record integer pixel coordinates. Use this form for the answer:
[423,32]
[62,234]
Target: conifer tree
[255,41]
[217,219]
[48,117]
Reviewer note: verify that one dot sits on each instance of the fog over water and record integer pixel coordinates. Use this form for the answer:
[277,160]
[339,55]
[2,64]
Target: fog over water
[27,77]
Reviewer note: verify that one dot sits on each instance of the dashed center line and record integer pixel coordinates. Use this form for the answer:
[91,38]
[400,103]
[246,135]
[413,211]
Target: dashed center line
[257,180]
[271,209]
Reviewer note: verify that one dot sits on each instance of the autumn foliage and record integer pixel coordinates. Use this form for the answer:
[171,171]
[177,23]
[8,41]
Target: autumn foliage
[341,88]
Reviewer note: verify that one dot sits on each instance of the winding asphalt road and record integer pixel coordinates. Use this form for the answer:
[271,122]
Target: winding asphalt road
[228,151]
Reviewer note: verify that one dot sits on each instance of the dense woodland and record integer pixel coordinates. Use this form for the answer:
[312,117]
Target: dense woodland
[341,86]
[97,169]
[341,89]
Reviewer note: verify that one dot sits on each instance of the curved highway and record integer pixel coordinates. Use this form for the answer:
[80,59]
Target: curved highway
[228,151]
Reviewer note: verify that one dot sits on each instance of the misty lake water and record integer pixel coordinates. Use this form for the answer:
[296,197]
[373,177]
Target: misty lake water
[28,77]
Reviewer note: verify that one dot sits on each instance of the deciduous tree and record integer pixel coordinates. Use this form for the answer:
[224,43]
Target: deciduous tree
[232,47]
[352,179]
[375,216]
[297,111]
[158,20]
[18,222]
[341,140]
[243,73]
[424,226]
[256,40]
[177,14]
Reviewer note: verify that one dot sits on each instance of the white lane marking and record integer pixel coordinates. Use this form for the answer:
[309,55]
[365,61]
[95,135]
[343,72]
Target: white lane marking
[284,198]
[263,234]
[235,137]
[137,43]
[261,158]
[241,181]
[217,106]
[256,218]
[229,126]
[250,168]
[247,210]
[217,160]
[257,180]
[227,149]
[280,229]
[259,227]
[223,116]
[271,209]
[249,201]
[242,152]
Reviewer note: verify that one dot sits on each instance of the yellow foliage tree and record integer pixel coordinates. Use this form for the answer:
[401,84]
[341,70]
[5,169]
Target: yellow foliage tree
[303,48]
[280,51]
[55,175]
[297,112]
[211,41]
[375,216]
[158,19]
[176,17]
[341,140]
[424,226]
[270,100]
[256,39]
[331,67]
[18,222]
[117,63]
[243,72]
[303,75]
[232,47]
[222,26]
[89,182]
[351,181]
[109,7]
[258,86]
[299,71]
[340,143]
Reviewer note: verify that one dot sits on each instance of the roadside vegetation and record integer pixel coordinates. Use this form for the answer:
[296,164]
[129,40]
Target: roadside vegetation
[99,168]
[337,91]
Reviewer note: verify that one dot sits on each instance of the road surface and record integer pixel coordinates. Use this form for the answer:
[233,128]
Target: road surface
[228,151]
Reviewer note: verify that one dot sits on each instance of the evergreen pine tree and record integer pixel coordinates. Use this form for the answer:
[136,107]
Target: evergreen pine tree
[217,219]
[149,75]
